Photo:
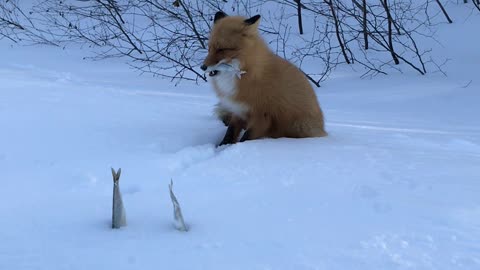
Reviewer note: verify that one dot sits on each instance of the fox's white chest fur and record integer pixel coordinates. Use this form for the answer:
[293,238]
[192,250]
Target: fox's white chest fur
[225,83]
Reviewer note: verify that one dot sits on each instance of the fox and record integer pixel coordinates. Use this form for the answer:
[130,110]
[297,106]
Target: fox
[263,94]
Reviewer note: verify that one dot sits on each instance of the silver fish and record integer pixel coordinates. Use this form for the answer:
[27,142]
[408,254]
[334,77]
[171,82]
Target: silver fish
[177,211]
[119,218]
[233,66]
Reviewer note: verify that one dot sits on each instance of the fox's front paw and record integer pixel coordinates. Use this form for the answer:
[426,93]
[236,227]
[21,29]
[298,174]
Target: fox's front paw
[225,142]
[246,136]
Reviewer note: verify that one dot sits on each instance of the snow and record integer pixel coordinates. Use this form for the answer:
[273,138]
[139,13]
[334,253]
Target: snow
[395,185]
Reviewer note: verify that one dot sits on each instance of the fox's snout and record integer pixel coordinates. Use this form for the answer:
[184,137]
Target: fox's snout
[211,60]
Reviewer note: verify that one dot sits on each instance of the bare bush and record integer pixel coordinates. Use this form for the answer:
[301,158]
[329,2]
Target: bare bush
[17,25]
[379,36]
[159,38]
[169,38]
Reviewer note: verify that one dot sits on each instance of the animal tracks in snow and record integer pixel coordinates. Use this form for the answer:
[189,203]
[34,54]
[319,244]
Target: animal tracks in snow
[189,156]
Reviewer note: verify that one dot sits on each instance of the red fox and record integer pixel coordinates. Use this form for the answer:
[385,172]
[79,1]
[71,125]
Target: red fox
[261,92]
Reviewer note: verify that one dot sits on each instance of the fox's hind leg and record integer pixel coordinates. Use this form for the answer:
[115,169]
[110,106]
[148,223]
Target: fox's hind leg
[306,128]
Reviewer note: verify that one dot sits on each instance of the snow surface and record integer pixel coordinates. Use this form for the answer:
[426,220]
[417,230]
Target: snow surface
[395,185]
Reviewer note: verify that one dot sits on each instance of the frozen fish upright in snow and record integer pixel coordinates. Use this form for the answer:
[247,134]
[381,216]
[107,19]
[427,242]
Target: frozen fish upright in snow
[177,211]
[119,218]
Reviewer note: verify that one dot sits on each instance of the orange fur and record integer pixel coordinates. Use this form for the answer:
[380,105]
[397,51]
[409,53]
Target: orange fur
[278,99]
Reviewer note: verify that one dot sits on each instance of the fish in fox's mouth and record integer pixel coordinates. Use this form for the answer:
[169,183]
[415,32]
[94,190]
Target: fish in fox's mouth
[213,73]
[232,66]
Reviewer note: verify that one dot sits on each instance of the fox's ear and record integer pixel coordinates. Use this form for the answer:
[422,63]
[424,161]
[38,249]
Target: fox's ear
[252,20]
[219,15]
